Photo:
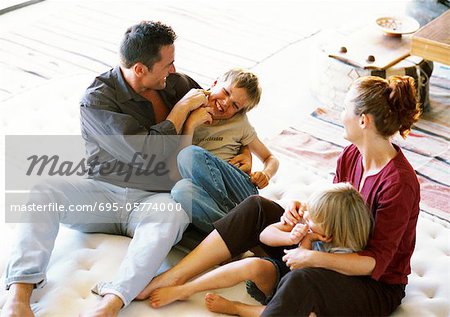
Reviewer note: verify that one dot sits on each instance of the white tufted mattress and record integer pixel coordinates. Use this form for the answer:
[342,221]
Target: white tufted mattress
[80,260]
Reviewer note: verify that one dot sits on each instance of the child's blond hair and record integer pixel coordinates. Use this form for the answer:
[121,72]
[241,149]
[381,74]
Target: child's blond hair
[343,215]
[247,80]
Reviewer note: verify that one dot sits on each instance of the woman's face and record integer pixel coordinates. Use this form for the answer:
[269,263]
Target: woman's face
[349,119]
[226,100]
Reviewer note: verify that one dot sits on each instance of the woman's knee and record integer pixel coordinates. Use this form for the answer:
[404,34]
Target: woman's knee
[267,210]
[297,284]
[301,282]
[254,202]
[300,276]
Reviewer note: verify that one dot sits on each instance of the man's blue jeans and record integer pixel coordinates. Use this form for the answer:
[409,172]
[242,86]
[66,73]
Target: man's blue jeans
[210,187]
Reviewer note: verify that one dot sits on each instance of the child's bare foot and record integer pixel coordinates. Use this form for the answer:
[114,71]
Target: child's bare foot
[166,295]
[163,280]
[218,304]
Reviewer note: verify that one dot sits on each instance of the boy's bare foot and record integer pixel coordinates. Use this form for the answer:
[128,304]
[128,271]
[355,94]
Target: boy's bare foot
[165,279]
[13,308]
[166,295]
[218,304]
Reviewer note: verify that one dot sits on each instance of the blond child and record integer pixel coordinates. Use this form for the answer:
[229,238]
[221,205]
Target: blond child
[336,220]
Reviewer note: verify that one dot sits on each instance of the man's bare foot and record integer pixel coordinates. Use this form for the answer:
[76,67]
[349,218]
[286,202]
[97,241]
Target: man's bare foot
[165,279]
[166,295]
[218,304]
[13,308]
[18,302]
[99,312]
[108,307]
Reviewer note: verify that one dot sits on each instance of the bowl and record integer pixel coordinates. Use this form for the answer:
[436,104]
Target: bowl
[396,26]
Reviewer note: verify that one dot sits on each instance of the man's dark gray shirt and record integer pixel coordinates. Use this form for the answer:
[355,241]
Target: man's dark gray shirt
[124,144]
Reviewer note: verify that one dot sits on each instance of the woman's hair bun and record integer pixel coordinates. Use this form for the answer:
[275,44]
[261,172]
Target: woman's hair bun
[402,101]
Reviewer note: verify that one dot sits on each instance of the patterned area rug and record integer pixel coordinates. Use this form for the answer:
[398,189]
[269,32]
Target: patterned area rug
[318,141]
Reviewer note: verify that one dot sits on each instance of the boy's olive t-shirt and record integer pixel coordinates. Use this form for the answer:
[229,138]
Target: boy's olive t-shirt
[224,138]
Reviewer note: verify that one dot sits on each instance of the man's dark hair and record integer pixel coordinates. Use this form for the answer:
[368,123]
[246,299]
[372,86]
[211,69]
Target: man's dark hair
[142,43]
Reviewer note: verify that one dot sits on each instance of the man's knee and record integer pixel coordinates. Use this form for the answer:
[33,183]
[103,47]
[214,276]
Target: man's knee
[50,185]
[176,214]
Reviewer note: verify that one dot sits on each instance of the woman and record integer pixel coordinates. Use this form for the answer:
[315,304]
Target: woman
[370,282]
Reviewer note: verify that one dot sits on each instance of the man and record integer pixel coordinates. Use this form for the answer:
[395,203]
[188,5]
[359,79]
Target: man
[128,116]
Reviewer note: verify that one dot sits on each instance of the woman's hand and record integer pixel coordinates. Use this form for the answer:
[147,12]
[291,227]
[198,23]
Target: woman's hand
[259,179]
[298,258]
[293,214]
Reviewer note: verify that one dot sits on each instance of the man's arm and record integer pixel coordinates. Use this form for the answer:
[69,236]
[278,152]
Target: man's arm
[243,160]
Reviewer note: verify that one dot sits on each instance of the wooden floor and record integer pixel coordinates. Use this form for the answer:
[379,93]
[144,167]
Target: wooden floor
[82,37]
[55,39]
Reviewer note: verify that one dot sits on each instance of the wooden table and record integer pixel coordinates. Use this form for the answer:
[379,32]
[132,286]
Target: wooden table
[432,41]
[356,48]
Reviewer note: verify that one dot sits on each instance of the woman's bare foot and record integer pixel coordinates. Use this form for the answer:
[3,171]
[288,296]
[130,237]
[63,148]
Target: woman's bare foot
[166,295]
[218,304]
[165,279]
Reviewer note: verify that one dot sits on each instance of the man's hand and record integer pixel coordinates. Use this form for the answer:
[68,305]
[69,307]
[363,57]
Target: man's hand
[293,214]
[259,179]
[243,161]
[195,98]
[298,258]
